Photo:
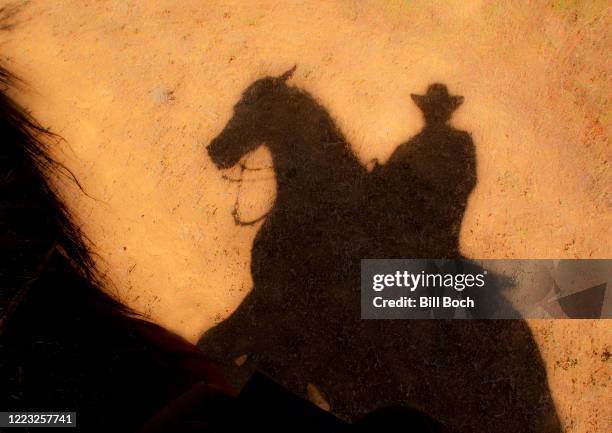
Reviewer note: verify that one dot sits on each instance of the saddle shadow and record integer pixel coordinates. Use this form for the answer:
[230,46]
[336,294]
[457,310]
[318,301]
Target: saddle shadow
[301,323]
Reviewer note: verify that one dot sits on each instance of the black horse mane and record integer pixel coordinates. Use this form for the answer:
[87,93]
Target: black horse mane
[62,338]
[34,221]
[65,344]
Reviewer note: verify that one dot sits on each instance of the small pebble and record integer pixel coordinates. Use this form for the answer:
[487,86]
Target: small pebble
[161,95]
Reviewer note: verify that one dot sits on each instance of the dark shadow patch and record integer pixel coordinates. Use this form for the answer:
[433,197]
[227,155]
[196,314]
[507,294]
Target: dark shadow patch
[301,322]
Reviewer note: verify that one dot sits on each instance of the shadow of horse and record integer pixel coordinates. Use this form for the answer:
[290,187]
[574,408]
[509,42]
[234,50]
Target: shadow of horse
[301,322]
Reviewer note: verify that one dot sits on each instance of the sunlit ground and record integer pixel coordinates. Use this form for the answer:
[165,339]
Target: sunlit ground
[137,91]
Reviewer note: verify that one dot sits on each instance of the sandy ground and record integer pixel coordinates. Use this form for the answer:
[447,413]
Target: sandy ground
[137,89]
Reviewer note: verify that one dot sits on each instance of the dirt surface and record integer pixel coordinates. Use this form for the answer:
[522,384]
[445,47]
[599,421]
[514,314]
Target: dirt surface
[137,89]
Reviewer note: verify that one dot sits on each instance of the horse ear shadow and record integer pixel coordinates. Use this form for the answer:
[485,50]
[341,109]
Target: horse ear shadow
[287,74]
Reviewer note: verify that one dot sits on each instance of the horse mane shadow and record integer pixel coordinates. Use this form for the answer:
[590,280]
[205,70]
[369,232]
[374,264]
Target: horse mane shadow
[301,323]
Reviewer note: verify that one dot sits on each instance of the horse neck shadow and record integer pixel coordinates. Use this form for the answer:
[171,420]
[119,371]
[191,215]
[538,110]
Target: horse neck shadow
[310,154]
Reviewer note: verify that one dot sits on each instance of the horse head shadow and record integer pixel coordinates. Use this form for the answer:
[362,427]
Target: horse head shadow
[301,322]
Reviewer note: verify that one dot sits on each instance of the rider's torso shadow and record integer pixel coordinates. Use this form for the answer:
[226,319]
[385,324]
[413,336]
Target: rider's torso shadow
[301,322]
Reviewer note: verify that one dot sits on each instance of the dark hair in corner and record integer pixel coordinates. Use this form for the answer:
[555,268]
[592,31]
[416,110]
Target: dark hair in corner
[34,223]
[65,344]
[62,338]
